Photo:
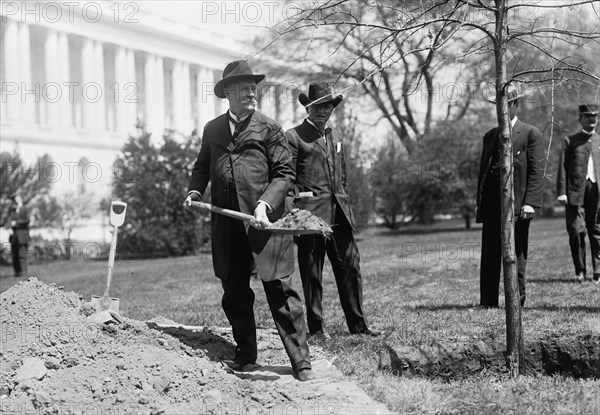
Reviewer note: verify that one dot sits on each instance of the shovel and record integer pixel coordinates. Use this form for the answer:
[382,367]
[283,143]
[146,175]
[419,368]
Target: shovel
[246,217]
[106,303]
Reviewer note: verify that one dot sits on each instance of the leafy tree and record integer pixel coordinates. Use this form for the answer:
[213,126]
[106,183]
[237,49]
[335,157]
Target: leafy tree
[388,178]
[442,172]
[31,181]
[152,180]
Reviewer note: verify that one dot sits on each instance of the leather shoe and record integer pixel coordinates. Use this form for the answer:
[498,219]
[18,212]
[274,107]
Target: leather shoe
[304,375]
[369,332]
[597,278]
[241,366]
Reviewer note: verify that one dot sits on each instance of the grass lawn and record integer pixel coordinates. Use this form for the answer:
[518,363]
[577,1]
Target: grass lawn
[418,285]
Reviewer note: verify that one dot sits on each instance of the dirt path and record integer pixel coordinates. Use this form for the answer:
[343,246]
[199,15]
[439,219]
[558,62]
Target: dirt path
[55,361]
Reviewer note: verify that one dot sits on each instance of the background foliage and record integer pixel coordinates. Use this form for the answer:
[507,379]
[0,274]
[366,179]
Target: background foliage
[152,179]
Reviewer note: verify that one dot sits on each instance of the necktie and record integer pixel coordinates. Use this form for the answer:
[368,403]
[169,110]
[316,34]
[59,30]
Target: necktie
[239,126]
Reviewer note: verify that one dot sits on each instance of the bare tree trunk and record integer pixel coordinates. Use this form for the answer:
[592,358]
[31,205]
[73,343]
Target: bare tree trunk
[514,329]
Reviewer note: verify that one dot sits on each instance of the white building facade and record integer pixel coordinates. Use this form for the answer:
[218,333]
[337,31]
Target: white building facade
[78,76]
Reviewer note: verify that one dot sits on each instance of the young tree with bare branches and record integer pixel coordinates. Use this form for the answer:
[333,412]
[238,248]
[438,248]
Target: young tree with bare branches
[384,34]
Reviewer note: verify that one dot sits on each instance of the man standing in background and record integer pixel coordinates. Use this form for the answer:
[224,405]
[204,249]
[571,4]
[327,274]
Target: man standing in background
[527,177]
[322,189]
[577,188]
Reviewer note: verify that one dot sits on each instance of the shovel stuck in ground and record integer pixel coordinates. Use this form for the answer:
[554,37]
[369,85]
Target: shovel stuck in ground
[107,308]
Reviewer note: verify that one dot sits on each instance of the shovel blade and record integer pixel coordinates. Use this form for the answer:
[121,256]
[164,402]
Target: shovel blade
[105,303]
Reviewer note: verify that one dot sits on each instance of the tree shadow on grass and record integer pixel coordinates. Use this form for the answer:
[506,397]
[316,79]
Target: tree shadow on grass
[217,348]
[424,231]
[550,307]
[553,280]
[442,307]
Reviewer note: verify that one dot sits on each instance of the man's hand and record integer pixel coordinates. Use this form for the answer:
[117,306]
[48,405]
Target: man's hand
[191,197]
[562,199]
[527,212]
[261,220]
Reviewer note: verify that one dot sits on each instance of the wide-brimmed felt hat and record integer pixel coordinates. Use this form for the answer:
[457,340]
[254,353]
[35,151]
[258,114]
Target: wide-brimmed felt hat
[591,109]
[512,93]
[235,72]
[319,93]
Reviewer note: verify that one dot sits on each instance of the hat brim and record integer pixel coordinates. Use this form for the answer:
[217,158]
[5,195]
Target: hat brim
[589,113]
[220,86]
[305,101]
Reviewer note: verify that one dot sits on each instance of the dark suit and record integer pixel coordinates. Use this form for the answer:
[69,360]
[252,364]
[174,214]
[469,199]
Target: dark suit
[581,212]
[321,188]
[527,176]
[256,166]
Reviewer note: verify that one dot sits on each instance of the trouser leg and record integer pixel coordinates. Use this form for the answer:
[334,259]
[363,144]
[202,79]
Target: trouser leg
[311,256]
[592,223]
[521,245]
[286,308]
[344,256]
[575,221]
[238,297]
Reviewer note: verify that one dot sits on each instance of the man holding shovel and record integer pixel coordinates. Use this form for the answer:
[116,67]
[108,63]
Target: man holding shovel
[245,156]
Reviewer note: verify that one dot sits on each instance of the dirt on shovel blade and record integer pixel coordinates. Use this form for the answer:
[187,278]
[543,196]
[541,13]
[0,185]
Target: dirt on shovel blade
[303,220]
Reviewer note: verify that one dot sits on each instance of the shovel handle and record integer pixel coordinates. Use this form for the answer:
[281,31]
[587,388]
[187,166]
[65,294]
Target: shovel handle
[111,259]
[227,212]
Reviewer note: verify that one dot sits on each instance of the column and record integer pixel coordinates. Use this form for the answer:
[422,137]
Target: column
[64,77]
[120,89]
[11,70]
[52,81]
[206,97]
[160,98]
[100,100]
[186,106]
[150,94]
[177,97]
[87,80]
[132,91]
[27,99]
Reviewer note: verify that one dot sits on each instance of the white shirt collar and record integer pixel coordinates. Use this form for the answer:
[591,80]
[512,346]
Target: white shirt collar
[233,117]
[588,132]
[513,121]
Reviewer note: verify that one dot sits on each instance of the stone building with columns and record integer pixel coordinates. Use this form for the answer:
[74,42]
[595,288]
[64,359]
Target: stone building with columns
[78,76]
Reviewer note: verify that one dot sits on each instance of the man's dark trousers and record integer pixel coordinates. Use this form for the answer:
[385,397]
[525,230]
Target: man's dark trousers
[582,220]
[238,304]
[491,247]
[343,254]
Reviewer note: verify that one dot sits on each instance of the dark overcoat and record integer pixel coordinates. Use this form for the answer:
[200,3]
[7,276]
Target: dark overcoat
[528,155]
[321,179]
[573,164]
[260,165]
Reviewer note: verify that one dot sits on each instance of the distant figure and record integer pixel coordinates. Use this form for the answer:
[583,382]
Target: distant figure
[577,188]
[245,156]
[527,177]
[322,188]
[19,239]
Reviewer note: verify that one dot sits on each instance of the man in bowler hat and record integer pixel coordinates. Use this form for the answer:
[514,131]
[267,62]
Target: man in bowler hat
[245,156]
[577,188]
[321,187]
[527,177]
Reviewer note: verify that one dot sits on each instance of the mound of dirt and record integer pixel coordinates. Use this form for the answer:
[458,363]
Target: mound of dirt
[303,220]
[55,361]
